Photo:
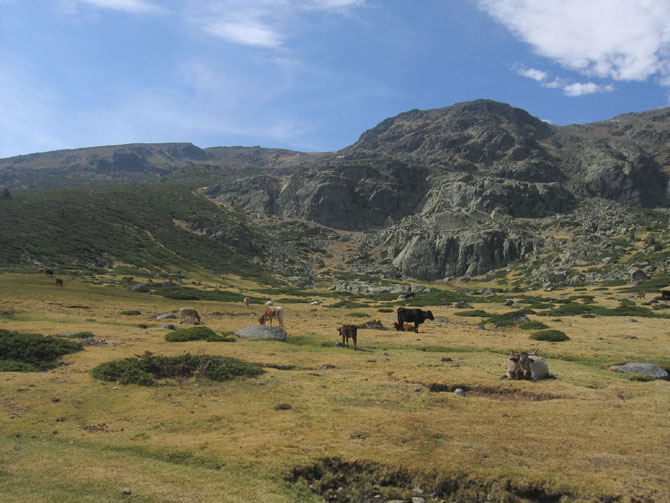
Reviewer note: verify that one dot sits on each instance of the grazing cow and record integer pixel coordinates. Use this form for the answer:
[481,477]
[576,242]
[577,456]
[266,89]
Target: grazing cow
[416,316]
[59,282]
[246,302]
[48,273]
[640,295]
[270,314]
[187,312]
[348,332]
[128,279]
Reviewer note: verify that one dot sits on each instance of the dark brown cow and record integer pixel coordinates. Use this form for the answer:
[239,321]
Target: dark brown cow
[416,316]
[348,332]
[59,282]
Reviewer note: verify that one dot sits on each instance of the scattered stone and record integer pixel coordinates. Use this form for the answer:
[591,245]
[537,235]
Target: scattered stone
[263,332]
[447,359]
[143,325]
[190,321]
[339,345]
[417,499]
[459,392]
[140,287]
[126,491]
[417,390]
[169,326]
[283,406]
[509,302]
[648,369]
[165,316]
[631,320]
[373,324]
[327,366]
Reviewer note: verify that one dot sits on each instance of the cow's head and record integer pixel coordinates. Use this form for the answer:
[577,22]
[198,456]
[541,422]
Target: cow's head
[429,315]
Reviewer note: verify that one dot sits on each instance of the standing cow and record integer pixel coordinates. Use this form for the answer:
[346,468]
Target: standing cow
[416,316]
[348,332]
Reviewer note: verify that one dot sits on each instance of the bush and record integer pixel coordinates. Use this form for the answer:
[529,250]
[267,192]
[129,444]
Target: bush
[533,325]
[146,369]
[131,313]
[550,336]
[32,352]
[196,334]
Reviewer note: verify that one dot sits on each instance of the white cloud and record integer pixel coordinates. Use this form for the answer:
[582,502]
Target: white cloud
[245,32]
[616,39]
[534,74]
[583,88]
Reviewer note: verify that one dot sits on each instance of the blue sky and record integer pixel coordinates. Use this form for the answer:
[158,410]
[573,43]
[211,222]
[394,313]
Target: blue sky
[312,75]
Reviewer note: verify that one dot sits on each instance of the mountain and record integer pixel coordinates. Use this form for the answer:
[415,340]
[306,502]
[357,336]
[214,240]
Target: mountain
[455,191]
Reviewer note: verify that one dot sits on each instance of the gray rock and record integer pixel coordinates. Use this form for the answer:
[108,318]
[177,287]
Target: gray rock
[263,332]
[648,369]
[283,406]
[166,316]
[459,392]
[169,326]
[190,321]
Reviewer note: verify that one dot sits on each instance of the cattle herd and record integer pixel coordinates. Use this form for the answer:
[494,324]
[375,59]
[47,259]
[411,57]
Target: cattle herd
[519,365]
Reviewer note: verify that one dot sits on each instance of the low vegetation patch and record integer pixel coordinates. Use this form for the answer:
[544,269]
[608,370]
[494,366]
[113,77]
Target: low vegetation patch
[511,318]
[533,325]
[196,334]
[474,313]
[550,336]
[148,369]
[131,313]
[32,352]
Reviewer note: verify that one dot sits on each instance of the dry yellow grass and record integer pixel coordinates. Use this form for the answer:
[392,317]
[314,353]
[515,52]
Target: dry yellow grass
[67,437]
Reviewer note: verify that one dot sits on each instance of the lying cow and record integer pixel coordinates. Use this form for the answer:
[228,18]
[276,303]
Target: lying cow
[416,316]
[187,312]
[348,332]
[523,365]
[272,313]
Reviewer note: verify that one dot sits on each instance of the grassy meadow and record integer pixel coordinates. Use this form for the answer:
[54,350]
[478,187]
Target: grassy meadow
[384,419]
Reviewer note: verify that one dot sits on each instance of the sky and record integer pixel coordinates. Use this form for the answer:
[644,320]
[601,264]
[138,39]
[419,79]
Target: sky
[312,75]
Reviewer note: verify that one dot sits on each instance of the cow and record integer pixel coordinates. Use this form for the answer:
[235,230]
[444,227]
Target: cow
[641,295]
[48,273]
[527,366]
[269,303]
[59,282]
[246,302]
[416,316]
[348,332]
[534,366]
[128,279]
[270,314]
[514,370]
[187,312]
[407,327]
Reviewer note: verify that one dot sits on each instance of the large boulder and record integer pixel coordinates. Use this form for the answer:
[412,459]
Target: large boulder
[647,369]
[263,332]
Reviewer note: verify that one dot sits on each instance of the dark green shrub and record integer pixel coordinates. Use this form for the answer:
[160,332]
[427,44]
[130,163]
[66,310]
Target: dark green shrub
[146,369]
[474,313]
[359,315]
[550,336]
[385,310]
[196,334]
[131,313]
[533,325]
[32,352]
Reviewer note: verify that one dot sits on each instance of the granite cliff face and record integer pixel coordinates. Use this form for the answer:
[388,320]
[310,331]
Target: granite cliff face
[444,192]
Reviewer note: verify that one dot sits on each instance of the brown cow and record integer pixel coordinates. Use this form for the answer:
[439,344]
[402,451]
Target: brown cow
[348,332]
[270,314]
[59,282]
[187,312]
[128,279]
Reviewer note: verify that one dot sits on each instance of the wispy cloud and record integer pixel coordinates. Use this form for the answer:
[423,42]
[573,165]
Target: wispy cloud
[615,39]
[568,88]
[262,23]
[133,6]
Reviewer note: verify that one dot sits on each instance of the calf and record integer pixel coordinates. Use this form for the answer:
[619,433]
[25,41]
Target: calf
[348,332]
[416,316]
[534,366]
[246,302]
[514,370]
[187,312]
